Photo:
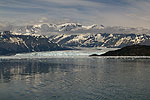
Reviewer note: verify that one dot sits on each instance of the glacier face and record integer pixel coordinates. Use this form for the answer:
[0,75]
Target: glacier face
[81,53]
[75,54]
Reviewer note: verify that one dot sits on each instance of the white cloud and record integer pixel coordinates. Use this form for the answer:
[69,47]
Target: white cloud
[129,13]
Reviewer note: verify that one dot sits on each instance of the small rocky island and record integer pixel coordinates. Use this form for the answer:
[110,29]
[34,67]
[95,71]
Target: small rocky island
[134,50]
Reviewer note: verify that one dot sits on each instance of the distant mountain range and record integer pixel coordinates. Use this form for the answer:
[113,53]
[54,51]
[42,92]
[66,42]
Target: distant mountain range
[47,37]
[72,28]
[49,29]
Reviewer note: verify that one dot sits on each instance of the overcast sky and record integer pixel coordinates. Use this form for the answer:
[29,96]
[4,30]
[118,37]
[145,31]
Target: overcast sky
[133,13]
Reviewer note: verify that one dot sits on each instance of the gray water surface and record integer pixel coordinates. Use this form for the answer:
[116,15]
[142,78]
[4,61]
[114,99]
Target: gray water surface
[75,79]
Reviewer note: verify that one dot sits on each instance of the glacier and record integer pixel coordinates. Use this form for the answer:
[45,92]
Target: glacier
[82,53]
[75,54]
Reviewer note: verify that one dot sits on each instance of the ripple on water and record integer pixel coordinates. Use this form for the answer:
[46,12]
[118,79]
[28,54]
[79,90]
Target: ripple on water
[75,79]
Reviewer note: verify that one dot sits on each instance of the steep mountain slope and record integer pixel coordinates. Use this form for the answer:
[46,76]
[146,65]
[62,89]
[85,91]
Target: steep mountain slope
[100,40]
[78,35]
[11,44]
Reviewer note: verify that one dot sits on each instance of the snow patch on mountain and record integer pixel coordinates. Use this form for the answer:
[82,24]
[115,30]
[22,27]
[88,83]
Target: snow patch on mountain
[100,40]
[71,28]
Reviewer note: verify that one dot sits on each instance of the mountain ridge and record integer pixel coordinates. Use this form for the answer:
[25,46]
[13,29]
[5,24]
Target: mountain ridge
[100,40]
[72,28]
[12,44]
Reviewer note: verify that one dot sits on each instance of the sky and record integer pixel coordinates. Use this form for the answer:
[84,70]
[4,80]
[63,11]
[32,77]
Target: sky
[132,13]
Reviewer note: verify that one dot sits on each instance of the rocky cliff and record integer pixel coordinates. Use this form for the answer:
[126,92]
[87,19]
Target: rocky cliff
[12,44]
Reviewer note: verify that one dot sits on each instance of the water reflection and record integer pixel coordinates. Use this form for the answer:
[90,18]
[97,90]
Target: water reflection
[10,69]
[74,79]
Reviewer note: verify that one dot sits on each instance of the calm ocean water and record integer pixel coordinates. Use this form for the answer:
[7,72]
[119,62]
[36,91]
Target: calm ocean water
[75,79]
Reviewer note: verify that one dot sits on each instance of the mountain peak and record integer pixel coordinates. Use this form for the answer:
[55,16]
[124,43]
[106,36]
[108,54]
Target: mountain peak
[47,28]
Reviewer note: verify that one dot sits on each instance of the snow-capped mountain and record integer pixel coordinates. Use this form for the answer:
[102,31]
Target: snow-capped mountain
[73,40]
[17,43]
[45,28]
[100,40]
[78,35]
[75,28]
[68,26]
